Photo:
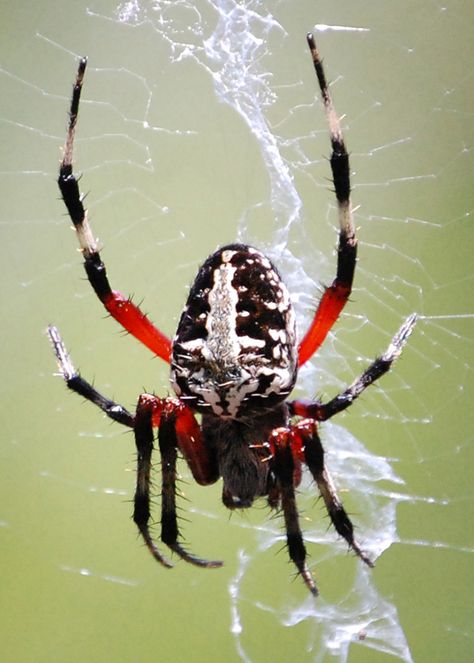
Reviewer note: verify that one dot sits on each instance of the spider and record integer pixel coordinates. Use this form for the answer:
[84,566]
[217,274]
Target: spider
[234,361]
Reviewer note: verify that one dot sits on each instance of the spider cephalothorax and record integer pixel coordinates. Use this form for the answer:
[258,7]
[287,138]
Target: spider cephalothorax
[234,362]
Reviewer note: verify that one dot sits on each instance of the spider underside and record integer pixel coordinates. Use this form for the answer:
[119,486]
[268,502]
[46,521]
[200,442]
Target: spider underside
[234,361]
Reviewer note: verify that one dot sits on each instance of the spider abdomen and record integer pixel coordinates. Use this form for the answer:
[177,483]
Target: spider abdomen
[234,351]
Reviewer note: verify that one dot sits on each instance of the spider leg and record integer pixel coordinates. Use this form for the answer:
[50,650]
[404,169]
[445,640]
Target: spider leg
[144,443]
[313,453]
[283,466]
[119,307]
[77,383]
[336,295]
[380,366]
[168,444]
[203,464]
[148,406]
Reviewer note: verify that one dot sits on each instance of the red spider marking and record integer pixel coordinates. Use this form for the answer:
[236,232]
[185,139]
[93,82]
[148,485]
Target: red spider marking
[333,301]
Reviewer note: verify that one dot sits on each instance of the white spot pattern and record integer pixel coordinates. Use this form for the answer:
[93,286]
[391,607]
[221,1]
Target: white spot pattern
[242,350]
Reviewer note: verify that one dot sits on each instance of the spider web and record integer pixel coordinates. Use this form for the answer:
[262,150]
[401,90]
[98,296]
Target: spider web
[267,185]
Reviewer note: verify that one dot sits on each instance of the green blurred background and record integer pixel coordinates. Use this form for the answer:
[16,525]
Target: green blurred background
[176,164]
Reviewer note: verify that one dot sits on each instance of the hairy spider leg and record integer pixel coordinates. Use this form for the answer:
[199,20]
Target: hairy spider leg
[119,307]
[283,464]
[336,295]
[300,443]
[141,504]
[313,454]
[177,429]
[76,383]
[203,464]
[149,407]
[380,366]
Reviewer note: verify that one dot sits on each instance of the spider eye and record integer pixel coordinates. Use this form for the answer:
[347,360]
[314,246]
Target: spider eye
[235,346]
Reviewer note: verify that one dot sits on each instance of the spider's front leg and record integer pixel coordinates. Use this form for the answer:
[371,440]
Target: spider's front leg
[337,294]
[119,307]
[174,432]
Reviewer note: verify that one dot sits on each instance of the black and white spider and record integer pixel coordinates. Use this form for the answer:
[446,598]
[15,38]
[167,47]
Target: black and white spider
[234,361]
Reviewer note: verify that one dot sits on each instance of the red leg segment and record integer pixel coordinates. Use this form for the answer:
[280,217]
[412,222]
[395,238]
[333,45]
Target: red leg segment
[137,324]
[189,440]
[330,306]
[202,465]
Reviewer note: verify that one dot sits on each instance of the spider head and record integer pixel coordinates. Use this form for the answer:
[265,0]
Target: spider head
[234,352]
